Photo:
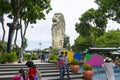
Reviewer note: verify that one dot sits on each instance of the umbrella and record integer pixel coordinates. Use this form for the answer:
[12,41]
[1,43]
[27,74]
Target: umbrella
[70,55]
[87,56]
[77,56]
[96,60]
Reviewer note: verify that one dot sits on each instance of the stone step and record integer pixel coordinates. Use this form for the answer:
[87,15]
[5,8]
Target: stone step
[49,76]
[48,71]
[23,65]
[15,72]
[42,74]
[16,69]
[72,77]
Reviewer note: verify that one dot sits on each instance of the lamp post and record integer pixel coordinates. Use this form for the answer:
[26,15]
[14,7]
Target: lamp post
[40,46]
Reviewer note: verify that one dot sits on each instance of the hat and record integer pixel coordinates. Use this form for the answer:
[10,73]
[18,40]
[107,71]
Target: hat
[107,59]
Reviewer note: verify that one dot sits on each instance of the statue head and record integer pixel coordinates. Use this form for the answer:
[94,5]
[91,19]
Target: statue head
[58,18]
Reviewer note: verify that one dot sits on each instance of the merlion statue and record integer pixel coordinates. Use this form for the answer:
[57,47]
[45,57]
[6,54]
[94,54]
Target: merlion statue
[58,31]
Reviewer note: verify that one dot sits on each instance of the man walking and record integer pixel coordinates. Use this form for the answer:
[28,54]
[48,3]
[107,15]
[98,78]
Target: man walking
[61,65]
[67,65]
[108,66]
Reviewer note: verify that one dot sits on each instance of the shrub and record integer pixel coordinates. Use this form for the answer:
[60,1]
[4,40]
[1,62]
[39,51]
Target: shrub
[52,61]
[26,56]
[12,57]
[0,58]
[8,57]
[74,62]
[87,67]
[118,59]
[53,57]
[34,56]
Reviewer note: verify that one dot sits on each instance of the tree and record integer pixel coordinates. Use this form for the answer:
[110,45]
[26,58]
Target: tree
[27,10]
[92,25]
[111,8]
[4,9]
[81,44]
[109,39]
[31,13]
[66,42]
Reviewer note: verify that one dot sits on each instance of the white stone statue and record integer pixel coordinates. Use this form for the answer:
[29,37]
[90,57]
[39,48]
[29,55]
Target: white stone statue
[58,31]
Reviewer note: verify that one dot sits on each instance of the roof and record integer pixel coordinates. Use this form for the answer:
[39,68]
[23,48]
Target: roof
[108,49]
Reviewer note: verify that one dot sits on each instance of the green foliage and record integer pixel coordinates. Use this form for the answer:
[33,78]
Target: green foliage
[12,57]
[28,11]
[74,62]
[53,57]
[3,47]
[8,57]
[81,44]
[32,56]
[110,8]
[24,43]
[109,39]
[92,25]
[4,7]
[118,59]
[0,58]
[26,56]
[89,20]
[66,44]
[33,10]
[52,61]
[87,67]
[55,51]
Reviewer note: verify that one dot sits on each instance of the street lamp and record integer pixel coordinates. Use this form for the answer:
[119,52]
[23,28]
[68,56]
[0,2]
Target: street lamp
[40,46]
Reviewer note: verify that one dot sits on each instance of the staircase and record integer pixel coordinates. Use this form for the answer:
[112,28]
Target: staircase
[48,71]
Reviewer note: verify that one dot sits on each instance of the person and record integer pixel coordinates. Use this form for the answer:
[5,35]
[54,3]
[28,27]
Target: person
[43,58]
[67,65]
[29,63]
[108,67]
[20,75]
[61,65]
[32,70]
[37,76]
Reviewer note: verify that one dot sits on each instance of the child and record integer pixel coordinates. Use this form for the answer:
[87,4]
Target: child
[20,75]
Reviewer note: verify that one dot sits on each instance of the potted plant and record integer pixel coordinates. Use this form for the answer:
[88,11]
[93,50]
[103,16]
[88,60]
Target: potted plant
[88,72]
[75,65]
[117,61]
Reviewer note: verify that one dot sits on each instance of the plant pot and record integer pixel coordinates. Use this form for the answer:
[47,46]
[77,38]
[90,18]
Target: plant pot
[118,63]
[75,68]
[88,74]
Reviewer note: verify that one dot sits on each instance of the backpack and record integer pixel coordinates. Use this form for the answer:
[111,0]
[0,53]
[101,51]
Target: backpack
[35,78]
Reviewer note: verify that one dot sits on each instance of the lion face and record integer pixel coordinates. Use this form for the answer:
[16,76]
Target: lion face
[56,18]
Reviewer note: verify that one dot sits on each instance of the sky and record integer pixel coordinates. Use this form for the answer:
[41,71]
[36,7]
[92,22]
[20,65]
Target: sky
[72,11]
